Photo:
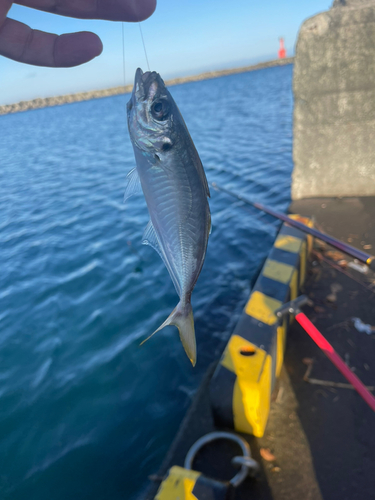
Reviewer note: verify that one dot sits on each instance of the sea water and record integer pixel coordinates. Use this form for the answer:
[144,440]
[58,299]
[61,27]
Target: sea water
[85,412]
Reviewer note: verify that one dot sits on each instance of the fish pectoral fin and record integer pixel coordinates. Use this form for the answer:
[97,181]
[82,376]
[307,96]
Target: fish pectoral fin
[133,185]
[151,238]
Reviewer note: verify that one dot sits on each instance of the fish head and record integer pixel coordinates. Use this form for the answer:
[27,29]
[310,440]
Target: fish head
[151,111]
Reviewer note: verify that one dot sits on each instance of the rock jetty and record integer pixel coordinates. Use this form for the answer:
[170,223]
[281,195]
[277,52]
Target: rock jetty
[97,94]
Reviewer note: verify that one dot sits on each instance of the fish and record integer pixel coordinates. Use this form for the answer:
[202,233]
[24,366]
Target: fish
[171,175]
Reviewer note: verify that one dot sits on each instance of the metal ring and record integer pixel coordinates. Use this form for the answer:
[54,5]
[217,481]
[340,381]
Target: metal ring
[213,436]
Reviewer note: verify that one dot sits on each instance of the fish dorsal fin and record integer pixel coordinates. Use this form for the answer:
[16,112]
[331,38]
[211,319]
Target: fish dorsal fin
[203,177]
[151,238]
[133,185]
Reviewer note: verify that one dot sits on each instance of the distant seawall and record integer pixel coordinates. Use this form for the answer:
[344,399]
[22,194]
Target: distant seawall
[97,94]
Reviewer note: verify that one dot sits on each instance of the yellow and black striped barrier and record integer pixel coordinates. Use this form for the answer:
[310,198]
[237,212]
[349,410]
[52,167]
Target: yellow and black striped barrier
[240,390]
[184,484]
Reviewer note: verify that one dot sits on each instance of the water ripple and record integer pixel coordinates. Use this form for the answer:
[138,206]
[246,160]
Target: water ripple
[84,410]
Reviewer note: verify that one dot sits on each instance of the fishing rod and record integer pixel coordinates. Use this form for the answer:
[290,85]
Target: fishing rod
[293,307]
[343,247]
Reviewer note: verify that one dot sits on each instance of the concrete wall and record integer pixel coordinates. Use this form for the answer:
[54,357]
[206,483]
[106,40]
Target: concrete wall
[334,113]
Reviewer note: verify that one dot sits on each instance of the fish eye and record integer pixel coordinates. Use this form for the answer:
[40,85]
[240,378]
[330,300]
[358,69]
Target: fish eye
[160,110]
[166,146]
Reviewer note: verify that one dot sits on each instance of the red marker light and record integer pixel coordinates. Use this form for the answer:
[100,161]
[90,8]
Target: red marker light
[282,50]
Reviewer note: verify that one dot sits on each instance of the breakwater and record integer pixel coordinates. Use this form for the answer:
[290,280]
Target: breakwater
[97,94]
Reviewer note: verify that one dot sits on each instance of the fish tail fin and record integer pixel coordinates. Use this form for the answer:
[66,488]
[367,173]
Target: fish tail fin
[182,317]
[184,320]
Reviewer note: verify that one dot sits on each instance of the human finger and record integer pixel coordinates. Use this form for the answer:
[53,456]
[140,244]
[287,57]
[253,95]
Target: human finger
[5,6]
[21,43]
[110,10]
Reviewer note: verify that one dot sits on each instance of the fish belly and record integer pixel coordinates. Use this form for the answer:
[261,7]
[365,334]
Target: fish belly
[178,210]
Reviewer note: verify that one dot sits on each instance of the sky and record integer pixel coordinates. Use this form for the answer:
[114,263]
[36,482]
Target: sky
[182,37]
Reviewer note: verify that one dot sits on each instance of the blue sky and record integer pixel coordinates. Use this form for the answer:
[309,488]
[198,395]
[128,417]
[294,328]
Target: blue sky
[182,37]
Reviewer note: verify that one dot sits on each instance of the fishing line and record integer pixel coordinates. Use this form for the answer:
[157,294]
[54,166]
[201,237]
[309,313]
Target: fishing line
[144,46]
[140,30]
[123,53]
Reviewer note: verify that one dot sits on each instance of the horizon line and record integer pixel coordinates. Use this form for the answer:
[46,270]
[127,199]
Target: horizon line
[44,102]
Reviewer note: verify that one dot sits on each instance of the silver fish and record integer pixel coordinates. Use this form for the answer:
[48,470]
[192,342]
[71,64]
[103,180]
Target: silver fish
[169,170]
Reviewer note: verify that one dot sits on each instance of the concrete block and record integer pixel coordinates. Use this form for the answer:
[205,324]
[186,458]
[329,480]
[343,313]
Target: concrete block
[334,103]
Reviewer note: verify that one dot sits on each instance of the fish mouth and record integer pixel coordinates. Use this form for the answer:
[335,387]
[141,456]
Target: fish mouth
[146,84]
[138,79]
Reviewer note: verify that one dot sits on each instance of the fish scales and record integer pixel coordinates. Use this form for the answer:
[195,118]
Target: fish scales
[175,188]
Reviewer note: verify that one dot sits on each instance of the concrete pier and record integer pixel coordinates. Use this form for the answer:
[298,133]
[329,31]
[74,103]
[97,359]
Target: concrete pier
[320,434]
[334,114]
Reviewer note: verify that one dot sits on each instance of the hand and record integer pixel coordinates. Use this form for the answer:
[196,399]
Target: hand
[21,43]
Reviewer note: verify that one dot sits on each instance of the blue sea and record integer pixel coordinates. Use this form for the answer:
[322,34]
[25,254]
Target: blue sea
[85,412]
